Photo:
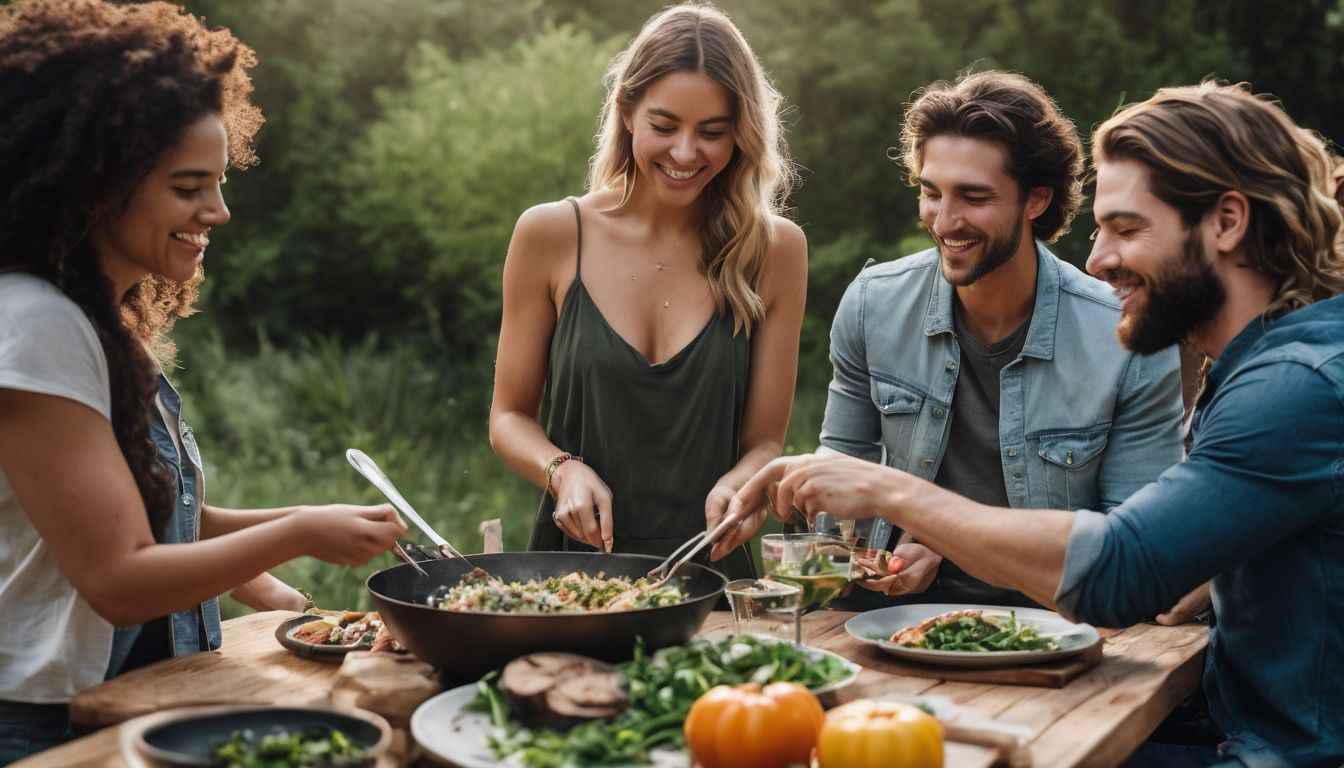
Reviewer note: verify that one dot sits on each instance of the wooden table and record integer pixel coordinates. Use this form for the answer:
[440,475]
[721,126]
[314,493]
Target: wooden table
[1097,719]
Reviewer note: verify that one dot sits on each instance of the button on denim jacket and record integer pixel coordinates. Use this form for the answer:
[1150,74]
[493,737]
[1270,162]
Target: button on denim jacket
[1083,423]
[184,526]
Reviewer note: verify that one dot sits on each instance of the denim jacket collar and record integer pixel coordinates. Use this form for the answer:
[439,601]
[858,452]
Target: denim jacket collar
[1040,335]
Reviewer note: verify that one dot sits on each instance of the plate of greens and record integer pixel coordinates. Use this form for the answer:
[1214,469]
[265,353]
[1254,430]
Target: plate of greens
[472,726]
[972,635]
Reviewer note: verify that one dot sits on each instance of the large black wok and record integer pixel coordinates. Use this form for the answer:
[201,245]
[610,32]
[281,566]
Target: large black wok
[466,645]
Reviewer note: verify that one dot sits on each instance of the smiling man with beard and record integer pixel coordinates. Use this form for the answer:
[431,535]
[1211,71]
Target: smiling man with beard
[985,364]
[1216,225]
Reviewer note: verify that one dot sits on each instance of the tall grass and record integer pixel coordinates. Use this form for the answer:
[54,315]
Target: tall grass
[274,425]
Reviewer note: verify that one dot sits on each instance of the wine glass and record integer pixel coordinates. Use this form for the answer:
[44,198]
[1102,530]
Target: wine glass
[816,563]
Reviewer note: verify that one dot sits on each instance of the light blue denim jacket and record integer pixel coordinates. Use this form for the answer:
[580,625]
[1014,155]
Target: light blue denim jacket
[195,629]
[1083,423]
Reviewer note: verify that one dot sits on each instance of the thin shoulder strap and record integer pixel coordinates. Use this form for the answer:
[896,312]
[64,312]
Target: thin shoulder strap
[578,221]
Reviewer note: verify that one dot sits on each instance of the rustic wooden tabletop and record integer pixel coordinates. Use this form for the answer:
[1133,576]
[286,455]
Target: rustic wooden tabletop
[1093,717]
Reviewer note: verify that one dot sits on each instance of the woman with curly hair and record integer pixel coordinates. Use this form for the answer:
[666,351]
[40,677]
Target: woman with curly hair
[116,126]
[661,309]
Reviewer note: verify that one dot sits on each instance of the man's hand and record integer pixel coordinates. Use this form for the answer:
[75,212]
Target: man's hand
[1198,601]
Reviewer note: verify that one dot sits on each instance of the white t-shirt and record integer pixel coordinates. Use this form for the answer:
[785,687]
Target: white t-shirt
[52,643]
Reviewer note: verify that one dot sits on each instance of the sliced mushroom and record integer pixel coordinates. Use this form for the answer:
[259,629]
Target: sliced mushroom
[559,690]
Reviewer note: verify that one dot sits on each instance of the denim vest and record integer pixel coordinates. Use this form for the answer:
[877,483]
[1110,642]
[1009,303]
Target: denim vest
[185,627]
[1083,422]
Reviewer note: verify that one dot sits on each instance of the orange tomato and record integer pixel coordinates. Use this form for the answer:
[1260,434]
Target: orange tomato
[747,726]
[878,734]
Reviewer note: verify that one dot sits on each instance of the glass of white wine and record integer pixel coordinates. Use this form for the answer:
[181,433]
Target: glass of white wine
[816,563]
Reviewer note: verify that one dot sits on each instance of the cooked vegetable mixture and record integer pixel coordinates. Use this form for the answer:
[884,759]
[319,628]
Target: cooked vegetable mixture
[479,591]
[317,747]
[662,687]
[974,631]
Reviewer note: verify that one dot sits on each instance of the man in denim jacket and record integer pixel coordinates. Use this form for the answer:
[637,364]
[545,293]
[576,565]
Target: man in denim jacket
[1215,225]
[986,364]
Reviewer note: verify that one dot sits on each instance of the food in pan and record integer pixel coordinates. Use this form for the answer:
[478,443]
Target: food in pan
[973,630]
[478,591]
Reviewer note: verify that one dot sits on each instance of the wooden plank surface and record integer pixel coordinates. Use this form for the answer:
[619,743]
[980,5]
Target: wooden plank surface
[1096,719]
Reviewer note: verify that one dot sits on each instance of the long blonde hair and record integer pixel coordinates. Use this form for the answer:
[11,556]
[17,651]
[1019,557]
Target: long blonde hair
[735,231]
[1198,142]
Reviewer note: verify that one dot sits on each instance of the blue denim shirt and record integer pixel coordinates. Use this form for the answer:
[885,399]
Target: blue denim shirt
[184,526]
[1083,423]
[1258,506]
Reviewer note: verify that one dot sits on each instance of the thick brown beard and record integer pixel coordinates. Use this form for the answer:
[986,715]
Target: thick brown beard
[998,251]
[1184,298]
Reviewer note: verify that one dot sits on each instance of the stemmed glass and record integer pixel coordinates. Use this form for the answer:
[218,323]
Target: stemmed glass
[816,563]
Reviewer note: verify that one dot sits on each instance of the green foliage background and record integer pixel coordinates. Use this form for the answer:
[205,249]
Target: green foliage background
[354,299]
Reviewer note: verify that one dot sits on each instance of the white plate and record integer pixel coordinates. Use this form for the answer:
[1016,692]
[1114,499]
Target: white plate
[877,627]
[444,727]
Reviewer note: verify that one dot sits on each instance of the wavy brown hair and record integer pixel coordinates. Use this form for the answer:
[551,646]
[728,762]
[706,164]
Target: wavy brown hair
[1004,107]
[1198,142]
[91,95]
[736,231]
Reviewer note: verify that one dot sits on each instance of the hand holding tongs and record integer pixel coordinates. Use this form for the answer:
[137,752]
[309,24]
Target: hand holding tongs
[371,472]
[669,567]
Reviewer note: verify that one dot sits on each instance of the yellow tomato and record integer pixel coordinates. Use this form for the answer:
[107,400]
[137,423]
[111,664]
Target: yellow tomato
[879,734]
[746,726]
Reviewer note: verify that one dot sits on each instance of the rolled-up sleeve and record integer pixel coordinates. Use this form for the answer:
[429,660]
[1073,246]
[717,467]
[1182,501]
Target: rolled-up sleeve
[1265,464]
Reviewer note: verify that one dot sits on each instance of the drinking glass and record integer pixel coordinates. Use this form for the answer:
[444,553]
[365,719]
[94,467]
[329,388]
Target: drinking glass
[815,563]
[764,607]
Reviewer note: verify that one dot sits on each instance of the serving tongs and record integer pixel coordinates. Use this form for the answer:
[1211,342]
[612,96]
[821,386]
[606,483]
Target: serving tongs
[666,570]
[371,472]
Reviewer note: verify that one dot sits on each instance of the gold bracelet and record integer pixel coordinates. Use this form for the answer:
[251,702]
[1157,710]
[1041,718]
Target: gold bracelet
[554,465]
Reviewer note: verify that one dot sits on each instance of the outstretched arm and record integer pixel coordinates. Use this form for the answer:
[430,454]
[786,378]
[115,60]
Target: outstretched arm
[67,471]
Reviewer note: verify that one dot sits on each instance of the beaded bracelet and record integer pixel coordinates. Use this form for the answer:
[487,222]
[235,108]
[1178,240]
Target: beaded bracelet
[554,465]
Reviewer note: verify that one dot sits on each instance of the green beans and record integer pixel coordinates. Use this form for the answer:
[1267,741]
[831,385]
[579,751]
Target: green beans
[985,633]
[661,686]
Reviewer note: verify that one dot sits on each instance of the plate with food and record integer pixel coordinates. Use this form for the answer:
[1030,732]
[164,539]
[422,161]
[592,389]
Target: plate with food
[972,635]
[330,635]
[551,708]
[231,735]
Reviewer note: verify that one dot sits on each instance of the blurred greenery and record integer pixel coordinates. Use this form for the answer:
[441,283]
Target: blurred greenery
[354,299]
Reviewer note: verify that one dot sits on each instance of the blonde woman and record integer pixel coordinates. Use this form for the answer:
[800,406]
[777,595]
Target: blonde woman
[661,309]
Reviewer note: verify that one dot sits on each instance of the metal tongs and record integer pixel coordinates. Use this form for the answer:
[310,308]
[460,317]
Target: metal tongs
[371,472]
[667,569]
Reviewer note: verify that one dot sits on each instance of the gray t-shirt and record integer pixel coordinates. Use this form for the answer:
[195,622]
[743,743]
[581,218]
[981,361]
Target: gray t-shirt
[971,465]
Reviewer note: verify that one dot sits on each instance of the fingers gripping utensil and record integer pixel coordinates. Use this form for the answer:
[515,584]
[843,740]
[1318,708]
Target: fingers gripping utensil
[371,472]
[683,554]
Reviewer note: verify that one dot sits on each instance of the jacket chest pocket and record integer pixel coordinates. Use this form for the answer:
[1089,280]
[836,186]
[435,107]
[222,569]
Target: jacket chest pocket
[900,406]
[1071,462]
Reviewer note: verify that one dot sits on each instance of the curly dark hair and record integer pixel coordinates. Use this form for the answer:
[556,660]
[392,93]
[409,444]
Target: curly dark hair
[91,94]
[1005,107]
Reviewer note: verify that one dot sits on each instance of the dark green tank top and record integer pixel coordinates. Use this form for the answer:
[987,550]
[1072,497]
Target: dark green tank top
[659,435]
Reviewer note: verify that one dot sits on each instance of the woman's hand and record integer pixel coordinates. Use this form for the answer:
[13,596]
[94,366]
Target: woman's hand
[267,593]
[919,571]
[582,505]
[346,534]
